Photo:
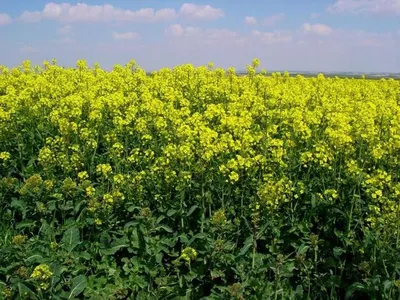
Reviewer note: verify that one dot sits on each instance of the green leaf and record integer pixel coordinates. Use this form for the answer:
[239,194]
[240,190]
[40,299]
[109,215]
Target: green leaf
[217,274]
[79,284]
[165,227]
[57,270]
[299,290]
[86,256]
[71,238]
[52,205]
[23,291]
[288,270]
[387,285]
[247,245]
[46,229]
[247,224]
[160,218]
[198,236]
[337,251]
[171,212]
[302,249]
[135,239]
[34,258]
[313,201]
[262,230]
[131,224]
[133,208]
[183,238]
[115,246]
[78,206]
[25,224]
[19,205]
[353,288]
[191,210]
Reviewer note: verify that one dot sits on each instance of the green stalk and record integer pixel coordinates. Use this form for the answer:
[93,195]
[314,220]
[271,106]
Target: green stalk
[203,216]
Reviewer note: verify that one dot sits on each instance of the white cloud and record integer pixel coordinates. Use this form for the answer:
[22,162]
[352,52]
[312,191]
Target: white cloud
[31,16]
[268,21]
[5,19]
[175,30]
[319,29]
[200,12]
[274,37]
[165,14]
[343,50]
[28,49]
[272,20]
[205,36]
[250,20]
[81,12]
[65,30]
[377,7]
[363,38]
[125,35]
[217,34]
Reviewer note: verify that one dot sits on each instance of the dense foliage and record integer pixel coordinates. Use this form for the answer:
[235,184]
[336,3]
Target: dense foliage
[194,183]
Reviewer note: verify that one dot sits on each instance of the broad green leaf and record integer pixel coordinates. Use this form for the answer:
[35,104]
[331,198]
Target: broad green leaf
[165,227]
[198,236]
[79,284]
[23,291]
[78,206]
[71,238]
[25,224]
[115,246]
[387,285]
[34,258]
[19,204]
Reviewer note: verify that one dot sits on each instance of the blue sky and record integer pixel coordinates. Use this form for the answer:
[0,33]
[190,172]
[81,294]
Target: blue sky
[309,35]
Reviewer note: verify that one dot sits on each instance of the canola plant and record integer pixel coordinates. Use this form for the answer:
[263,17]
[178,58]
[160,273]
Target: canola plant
[196,182]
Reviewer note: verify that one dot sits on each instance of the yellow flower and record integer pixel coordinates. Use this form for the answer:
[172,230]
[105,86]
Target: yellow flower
[104,169]
[5,156]
[189,254]
[90,191]
[331,193]
[19,239]
[219,218]
[233,176]
[68,185]
[7,293]
[32,185]
[118,179]
[83,175]
[41,271]
[108,198]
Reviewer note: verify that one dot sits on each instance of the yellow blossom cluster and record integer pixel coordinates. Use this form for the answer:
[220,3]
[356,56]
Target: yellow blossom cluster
[42,274]
[125,135]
